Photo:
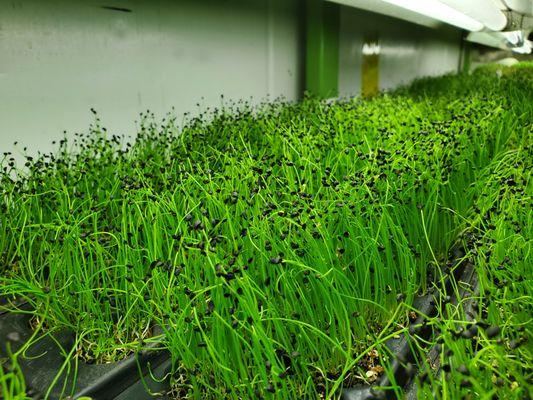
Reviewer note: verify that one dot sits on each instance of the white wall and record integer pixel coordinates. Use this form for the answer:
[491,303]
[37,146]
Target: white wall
[58,58]
[407,51]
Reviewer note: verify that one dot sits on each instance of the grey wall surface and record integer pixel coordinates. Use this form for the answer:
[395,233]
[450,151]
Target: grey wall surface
[59,58]
[407,51]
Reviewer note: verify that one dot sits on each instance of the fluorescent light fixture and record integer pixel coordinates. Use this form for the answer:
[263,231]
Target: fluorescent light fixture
[485,11]
[440,11]
[524,49]
[381,7]
[515,41]
[514,38]
[520,6]
[487,39]
[500,4]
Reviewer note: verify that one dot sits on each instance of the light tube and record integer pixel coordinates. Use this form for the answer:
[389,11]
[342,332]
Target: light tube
[484,11]
[440,11]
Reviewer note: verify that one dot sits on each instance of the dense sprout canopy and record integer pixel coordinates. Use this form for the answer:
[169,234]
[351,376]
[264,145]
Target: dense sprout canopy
[272,251]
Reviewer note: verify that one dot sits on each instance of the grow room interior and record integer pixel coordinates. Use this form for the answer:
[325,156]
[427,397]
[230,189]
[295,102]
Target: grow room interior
[266,199]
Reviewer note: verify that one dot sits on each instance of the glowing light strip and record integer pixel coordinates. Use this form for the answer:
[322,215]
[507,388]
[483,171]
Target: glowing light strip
[440,11]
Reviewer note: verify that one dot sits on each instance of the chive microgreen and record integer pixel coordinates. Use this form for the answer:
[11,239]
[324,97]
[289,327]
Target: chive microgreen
[278,248]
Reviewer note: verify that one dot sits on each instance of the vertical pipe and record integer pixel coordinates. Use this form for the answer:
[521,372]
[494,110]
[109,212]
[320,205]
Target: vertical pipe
[322,48]
[270,50]
[464,55]
[370,67]
[467,58]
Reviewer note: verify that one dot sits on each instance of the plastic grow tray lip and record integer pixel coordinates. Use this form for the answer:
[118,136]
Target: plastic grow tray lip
[15,302]
[464,273]
[43,361]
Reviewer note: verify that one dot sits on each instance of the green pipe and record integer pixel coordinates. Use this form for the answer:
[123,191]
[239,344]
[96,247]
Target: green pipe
[322,48]
[467,57]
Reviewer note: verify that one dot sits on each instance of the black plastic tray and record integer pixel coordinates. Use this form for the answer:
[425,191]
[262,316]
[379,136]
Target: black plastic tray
[43,363]
[463,273]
